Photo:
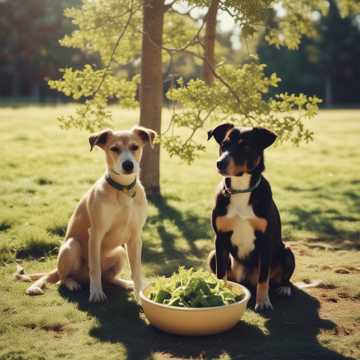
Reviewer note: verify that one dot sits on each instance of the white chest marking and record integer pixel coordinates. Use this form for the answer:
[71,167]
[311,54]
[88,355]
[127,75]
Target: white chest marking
[243,233]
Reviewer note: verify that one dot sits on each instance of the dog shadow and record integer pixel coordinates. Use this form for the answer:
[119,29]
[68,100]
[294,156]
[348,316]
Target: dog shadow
[291,330]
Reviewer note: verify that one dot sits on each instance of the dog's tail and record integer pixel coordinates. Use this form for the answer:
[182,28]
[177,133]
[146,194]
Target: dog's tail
[309,284]
[41,279]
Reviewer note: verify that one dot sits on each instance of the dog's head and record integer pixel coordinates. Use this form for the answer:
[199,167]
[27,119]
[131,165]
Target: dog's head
[241,149]
[123,149]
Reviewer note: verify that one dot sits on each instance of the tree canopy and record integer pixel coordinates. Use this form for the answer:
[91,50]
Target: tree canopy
[240,93]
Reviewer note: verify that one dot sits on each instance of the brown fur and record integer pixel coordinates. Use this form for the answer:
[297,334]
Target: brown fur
[105,226]
[225,223]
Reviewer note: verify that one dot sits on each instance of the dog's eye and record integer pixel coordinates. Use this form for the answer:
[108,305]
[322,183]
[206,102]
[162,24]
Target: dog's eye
[134,147]
[115,149]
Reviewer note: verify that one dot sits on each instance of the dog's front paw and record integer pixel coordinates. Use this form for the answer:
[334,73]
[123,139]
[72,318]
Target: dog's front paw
[97,295]
[263,304]
[126,284]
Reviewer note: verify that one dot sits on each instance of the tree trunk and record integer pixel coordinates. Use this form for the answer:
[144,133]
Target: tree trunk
[151,90]
[210,35]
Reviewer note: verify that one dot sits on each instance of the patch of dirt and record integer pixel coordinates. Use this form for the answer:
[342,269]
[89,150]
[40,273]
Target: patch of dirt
[338,304]
[344,295]
[325,285]
[326,267]
[331,299]
[56,329]
[347,270]
[309,283]
[343,331]
[338,297]
[342,271]
[53,327]
[304,252]
[313,266]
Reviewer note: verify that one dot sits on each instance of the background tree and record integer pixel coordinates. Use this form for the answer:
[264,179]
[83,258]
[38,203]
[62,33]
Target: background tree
[240,92]
[332,57]
[30,52]
[151,89]
[209,42]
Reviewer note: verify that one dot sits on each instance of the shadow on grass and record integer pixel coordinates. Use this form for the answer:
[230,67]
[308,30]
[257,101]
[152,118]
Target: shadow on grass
[165,263]
[58,230]
[292,331]
[37,249]
[323,223]
[4,226]
[191,226]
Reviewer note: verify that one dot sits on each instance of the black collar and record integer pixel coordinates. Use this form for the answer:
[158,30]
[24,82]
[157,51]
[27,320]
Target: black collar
[128,189]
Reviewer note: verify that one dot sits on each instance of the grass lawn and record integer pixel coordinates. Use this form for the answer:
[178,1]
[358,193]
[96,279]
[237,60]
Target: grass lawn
[44,172]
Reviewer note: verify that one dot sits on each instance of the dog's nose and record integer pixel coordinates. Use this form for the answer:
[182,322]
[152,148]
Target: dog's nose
[128,165]
[222,164]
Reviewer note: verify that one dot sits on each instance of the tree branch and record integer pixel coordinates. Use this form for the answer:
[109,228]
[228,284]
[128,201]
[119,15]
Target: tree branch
[196,128]
[184,49]
[122,33]
[216,75]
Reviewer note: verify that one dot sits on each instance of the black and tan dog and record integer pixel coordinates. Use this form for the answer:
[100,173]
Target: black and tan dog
[248,245]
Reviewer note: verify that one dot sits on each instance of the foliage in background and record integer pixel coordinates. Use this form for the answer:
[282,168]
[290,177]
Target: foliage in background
[283,113]
[30,51]
[108,28]
[327,65]
[239,93]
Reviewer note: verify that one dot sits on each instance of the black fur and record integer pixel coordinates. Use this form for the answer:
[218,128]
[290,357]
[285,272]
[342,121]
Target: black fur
[246,147]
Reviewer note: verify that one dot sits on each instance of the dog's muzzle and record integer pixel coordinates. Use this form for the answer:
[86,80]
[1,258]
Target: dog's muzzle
[223,162]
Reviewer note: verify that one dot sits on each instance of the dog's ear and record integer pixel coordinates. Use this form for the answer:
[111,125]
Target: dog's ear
[99,139]
[219,132]
[263,137]
[145,134]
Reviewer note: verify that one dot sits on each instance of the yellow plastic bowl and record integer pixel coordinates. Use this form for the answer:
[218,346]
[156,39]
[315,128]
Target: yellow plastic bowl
[195,321]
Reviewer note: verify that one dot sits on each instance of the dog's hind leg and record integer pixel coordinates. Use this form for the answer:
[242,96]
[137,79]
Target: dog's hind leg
[40,280]
[288,268]
[112,263]
[37,287]
[212,261]
[69,263]
[232,268]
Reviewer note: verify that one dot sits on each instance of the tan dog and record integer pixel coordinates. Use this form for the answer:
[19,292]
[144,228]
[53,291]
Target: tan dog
[107,222]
